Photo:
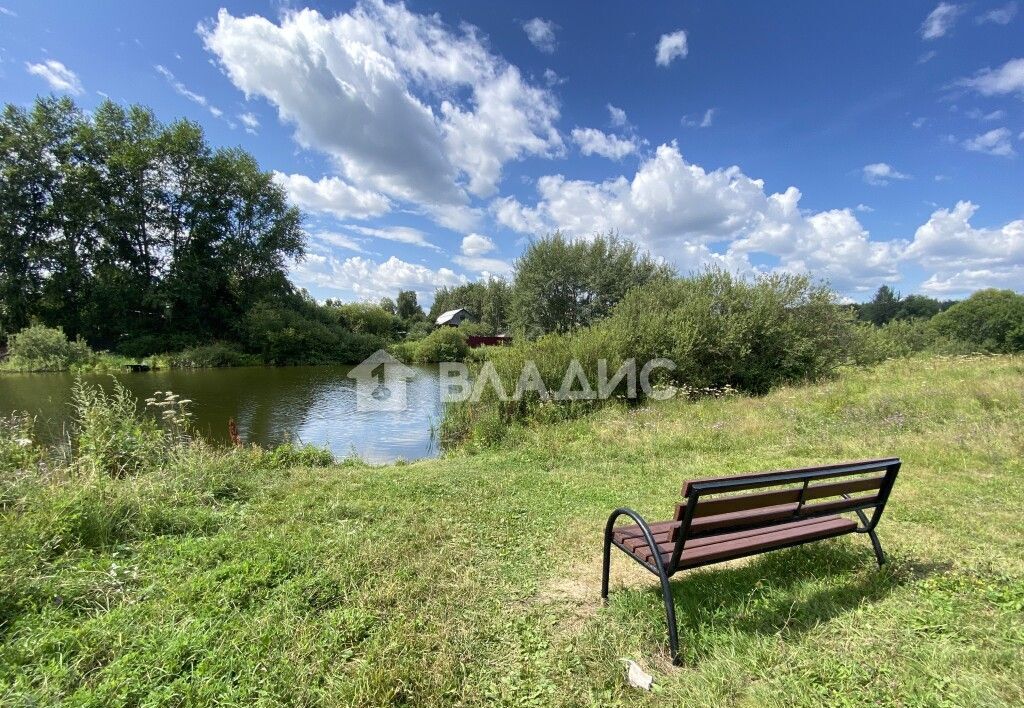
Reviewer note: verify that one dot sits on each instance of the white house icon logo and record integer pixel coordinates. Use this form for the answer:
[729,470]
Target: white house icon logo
[381,383]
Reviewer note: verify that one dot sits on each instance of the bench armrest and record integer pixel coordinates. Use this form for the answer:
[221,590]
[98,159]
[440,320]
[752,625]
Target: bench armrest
[659,567]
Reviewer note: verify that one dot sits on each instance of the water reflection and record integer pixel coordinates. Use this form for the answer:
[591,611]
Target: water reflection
[315,404]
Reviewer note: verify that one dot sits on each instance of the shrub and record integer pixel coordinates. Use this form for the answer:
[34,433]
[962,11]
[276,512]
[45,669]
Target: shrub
[109,437]
[297,455]
[211,356]
[443,344]
[41,348]
[721,333]
[992,320]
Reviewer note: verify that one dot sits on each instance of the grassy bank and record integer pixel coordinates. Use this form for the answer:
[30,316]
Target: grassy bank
[225,579]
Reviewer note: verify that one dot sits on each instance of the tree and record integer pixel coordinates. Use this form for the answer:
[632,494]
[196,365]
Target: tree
[882,308]
[488,303]
[991,319]
[388,305]
[133,233]
[562,284]
[407,307]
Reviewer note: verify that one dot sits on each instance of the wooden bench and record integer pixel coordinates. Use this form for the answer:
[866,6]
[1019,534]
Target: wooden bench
[723,518]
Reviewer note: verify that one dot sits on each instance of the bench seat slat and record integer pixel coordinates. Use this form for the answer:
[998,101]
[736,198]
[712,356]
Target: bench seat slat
[739,543]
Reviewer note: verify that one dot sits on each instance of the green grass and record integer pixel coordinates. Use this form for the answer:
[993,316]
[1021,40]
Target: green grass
[475,579]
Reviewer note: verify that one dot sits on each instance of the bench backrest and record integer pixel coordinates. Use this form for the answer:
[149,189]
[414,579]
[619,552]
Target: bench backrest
[722,505]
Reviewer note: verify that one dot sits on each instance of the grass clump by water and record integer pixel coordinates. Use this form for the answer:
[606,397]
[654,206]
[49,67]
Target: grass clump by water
[217,577]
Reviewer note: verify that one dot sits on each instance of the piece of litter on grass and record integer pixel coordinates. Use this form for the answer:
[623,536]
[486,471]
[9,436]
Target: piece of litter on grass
[638,678]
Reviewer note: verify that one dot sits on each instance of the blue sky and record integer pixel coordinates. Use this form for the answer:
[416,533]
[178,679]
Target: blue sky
[865,143]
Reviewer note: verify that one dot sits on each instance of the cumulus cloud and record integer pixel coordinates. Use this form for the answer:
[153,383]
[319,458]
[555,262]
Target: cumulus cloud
[966,258]
[404,105]
[940,20]
[58,76]
[477,245]
[541,34]
[595,142]
[678,210]
[670,47]
[880,174]
[998,16]
[331,195]
[994,142]
[1008,78]
[705,121]
[365,278]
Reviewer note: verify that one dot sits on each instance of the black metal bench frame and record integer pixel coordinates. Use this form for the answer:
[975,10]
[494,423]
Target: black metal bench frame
[694,490]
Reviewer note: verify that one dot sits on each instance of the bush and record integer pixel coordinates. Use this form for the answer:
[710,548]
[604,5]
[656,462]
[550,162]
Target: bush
[443,344]
[41,348]
[721,333]
[109,437]
[210,356]
[296,455]
[992,320]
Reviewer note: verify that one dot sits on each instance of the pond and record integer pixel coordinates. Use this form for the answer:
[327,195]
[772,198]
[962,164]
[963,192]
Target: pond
[311,404]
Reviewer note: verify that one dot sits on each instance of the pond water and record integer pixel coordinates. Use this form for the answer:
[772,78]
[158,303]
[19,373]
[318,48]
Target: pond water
[311,404]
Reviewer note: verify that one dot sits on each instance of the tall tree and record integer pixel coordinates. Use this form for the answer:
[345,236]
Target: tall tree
[561,284]
[408,307]
[134,233]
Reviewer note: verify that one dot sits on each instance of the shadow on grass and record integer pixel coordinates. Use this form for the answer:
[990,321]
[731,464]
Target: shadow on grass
[784,593]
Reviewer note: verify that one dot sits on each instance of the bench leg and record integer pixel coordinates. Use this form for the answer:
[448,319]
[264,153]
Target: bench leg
[876,544]
[670,617]
[606,567]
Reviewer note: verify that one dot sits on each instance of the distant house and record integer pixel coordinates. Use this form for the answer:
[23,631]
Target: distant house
[452,318]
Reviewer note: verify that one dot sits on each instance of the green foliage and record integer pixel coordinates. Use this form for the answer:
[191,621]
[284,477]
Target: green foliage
[301,332]
[19,451]
[108,436]
[443,344]
[992,320]
[407,307]
[290,454]
[123,230]
[364,318]
[488,304]
[215,355]
[561,284]
[42,348]
[719,331]
[887,306]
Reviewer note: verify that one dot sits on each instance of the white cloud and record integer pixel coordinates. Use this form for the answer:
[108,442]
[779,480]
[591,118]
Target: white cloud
[1009,78]
[551,78]
[617,116]
[977,114]
[967,258]
[994,142]
[864,208]
[919,122]
[331,238]
[671,46]
[404,105]
[366,278]
[250,121]
[678,210]
[400,234]
[331,195]
[485,266]
[998,16]
[940,20]
[927,56]
[183,90]
[595,142]
[704,121]
[880,174]
[477,245]
[9,13]
[58,76]
[541,34]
